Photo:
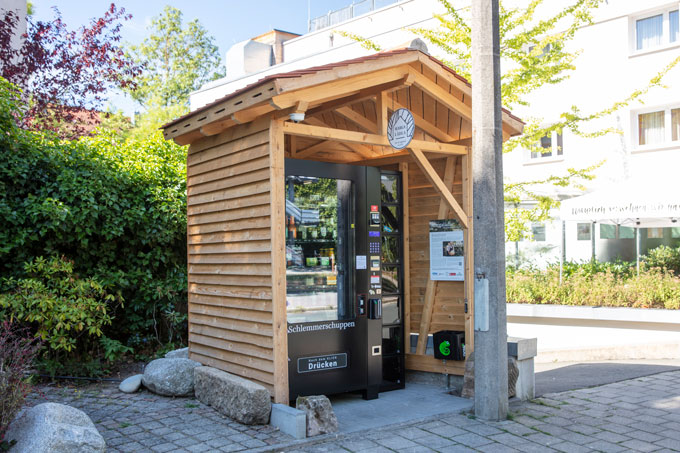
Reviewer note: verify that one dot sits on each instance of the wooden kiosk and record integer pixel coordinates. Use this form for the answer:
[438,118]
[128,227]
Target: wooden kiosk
[238,214]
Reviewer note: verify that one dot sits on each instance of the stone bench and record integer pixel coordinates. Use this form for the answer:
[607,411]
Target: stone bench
[524,350]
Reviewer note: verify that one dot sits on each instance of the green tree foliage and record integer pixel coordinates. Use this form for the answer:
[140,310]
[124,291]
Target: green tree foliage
[116,208]
[177,60]
[535,51]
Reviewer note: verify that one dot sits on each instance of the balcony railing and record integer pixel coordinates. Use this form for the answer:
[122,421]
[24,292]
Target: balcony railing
[347,13]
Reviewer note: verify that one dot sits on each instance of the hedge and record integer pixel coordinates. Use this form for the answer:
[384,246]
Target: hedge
[116,209]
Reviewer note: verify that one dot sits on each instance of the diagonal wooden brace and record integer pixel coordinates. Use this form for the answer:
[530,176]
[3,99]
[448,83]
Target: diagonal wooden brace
[439,185]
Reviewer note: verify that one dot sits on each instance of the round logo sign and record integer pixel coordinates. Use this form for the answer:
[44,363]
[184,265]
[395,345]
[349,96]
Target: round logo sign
[400,128]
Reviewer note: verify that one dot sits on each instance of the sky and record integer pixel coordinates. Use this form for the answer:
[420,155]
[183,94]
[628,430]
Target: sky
[228,21]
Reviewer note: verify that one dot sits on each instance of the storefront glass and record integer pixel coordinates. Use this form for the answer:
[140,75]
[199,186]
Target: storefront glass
[318,218]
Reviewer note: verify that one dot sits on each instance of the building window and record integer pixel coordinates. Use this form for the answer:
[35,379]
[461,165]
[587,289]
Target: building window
[675,232]
[583,231]
[650,128]
[549,146]
[607,231]
[657,30]
[649,32]
[616,232]
[655,233]
[538,231]
[626,232]
[658,126]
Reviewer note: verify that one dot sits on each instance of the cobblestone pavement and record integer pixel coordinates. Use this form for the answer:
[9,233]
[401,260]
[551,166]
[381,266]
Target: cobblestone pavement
[637,415]
[641,414]
[144,422]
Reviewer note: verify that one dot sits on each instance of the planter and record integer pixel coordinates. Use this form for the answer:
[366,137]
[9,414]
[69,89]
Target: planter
[577,333]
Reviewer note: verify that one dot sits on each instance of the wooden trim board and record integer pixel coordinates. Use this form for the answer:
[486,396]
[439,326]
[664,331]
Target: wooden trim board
[278,263]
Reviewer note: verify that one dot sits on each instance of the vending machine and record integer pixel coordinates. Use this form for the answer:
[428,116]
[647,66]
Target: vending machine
[333,278]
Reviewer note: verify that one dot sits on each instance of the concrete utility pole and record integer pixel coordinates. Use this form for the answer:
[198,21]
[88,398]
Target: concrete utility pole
[491,350]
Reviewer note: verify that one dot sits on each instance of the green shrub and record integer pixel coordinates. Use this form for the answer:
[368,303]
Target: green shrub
[664,258]
[67,313]
[116,208]
[595,284]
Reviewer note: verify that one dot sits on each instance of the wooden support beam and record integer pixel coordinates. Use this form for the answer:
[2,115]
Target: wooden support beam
[310,150]
[338,88]
[432,365]
[358,119]
[189,137]
[293,145]
[406,234]
[431,288]
[341,72]
[301,107]
[381,112]
[458,83]
[441,95]
[248,115]
[218,126]
[362,150]
[326,133]
[278,261]
[361,95]
[439,185]
[386,159]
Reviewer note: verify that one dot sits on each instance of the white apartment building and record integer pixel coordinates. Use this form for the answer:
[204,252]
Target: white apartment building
[628,43]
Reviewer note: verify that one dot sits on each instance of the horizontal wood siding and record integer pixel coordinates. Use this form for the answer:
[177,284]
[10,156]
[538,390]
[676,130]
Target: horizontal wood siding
[229,234]
[423,203]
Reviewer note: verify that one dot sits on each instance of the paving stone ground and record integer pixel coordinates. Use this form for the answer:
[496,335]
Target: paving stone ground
[641,414]
[144,422]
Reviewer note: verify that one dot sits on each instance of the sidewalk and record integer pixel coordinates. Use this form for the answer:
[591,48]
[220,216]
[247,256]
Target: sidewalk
[641,414]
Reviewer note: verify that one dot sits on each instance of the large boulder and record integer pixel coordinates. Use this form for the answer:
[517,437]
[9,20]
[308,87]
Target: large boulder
[178,354]
[170,377]
[321,418]
[54,428]
[238,398]
[469,377]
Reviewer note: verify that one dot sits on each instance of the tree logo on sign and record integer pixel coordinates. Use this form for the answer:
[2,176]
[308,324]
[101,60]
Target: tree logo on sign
[400,129]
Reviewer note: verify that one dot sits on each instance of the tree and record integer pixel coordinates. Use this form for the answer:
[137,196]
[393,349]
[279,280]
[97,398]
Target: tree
[535,53]
[65,74]
[177,60]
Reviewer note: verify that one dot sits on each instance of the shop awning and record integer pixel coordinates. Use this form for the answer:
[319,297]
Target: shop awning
[641,204]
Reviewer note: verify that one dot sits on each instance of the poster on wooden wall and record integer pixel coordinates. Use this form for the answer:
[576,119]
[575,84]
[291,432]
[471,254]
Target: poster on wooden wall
[446,250]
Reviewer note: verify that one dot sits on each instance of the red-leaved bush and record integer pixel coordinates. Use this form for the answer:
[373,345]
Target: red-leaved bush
[18,348]
[65,74]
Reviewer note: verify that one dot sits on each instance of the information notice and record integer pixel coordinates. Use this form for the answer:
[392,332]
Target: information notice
[446,250]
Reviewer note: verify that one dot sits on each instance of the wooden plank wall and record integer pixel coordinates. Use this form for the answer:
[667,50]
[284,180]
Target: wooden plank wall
[230,271]
[423,204]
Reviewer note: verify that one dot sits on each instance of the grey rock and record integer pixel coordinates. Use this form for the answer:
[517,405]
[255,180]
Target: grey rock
[131,384]
[513,374]
[54,428]
[238,398]
[178,354]
[170,377]
[469,377]
[321,418]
